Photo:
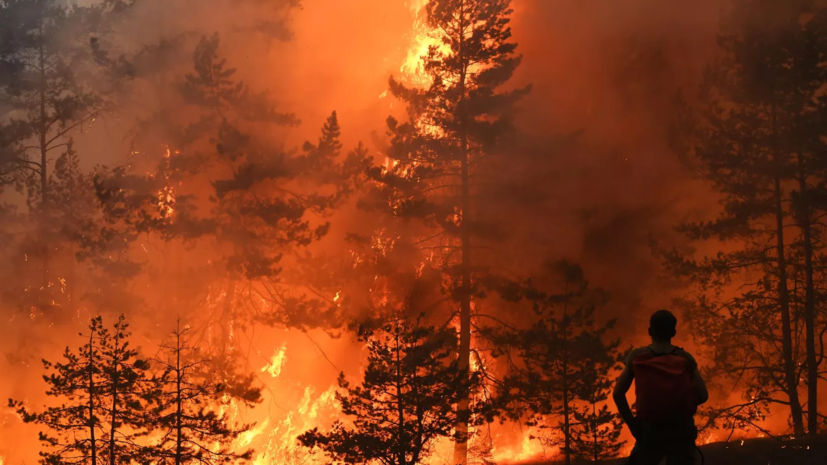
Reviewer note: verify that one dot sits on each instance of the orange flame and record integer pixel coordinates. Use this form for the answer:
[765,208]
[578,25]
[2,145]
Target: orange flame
[277,362]
[166,196]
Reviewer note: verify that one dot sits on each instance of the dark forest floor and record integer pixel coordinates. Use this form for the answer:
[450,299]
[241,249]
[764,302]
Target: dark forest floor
[759,451]
[768,451]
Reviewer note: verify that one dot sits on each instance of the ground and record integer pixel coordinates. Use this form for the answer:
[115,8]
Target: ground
[763,451]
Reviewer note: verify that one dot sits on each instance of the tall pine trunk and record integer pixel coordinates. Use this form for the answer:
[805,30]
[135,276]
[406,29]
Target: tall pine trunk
[790,374]
[226,318]
[791,377]
[179,403]
[809,305]
[461,446]
[565,367]
[400,406]
[594,430]
[114,410]
[93,445]
[461,449]
[44,149]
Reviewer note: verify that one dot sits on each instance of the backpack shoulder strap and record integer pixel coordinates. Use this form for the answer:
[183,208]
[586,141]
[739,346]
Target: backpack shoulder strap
[675,351]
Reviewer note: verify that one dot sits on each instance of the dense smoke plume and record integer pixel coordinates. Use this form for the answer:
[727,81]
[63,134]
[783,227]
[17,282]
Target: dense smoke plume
[605,76]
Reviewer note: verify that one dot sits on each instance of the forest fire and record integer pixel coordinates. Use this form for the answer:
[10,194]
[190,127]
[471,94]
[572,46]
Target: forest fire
[219,247]
[423,38]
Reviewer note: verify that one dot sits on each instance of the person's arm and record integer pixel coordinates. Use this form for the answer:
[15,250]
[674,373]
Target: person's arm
[700,387]
[624,383]
[698,384]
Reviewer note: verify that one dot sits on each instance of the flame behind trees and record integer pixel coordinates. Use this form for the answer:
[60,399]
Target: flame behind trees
[404,402]
[104,389]
[191,429]
[455,121]
[247,202]
[562,369]
[118,408]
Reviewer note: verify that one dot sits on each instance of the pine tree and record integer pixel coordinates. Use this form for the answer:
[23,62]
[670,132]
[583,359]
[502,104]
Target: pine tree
[223,181]
[73,215]
[75,426]
[128,391]
[192,430]
[562,371]
[404,402]
[101,389]
[42,50]
[596,430]
[437,157]
[755,140]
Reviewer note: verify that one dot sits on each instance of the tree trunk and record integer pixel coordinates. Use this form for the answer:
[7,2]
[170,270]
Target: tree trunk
[461,446]
[400,406]
[93,449]
[784,303]
[178,400]
[226,318]
[566,410]
[594,430]
[44,174]
[461,449]
[114,411]
[809,306]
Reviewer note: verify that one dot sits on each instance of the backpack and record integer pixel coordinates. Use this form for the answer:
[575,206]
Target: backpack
[663,386]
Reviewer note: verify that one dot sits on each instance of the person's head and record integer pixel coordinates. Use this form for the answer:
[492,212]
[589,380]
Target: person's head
[662,326]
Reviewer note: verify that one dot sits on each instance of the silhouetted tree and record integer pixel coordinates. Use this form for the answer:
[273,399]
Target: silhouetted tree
[757,140]
[128,391]
[186,411]
[405,400]
[562,368]
[102,410]
[595,432]
[437,156]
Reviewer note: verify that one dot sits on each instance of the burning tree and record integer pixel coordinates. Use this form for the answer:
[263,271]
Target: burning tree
[103,409]
[562,370]
[185,409]
[405,400]
[222,185]
[757,140]
[437,157]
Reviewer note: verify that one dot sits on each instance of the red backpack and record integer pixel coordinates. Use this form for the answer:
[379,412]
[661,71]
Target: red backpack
[663,386]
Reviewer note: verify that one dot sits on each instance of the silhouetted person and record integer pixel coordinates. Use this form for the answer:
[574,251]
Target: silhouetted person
[668,390]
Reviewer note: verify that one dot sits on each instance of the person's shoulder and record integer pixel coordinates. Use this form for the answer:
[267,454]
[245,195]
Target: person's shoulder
[683,353]
[637,352]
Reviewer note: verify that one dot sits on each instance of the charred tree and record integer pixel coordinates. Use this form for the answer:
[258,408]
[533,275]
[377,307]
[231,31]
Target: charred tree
[405,401]
[436,157]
